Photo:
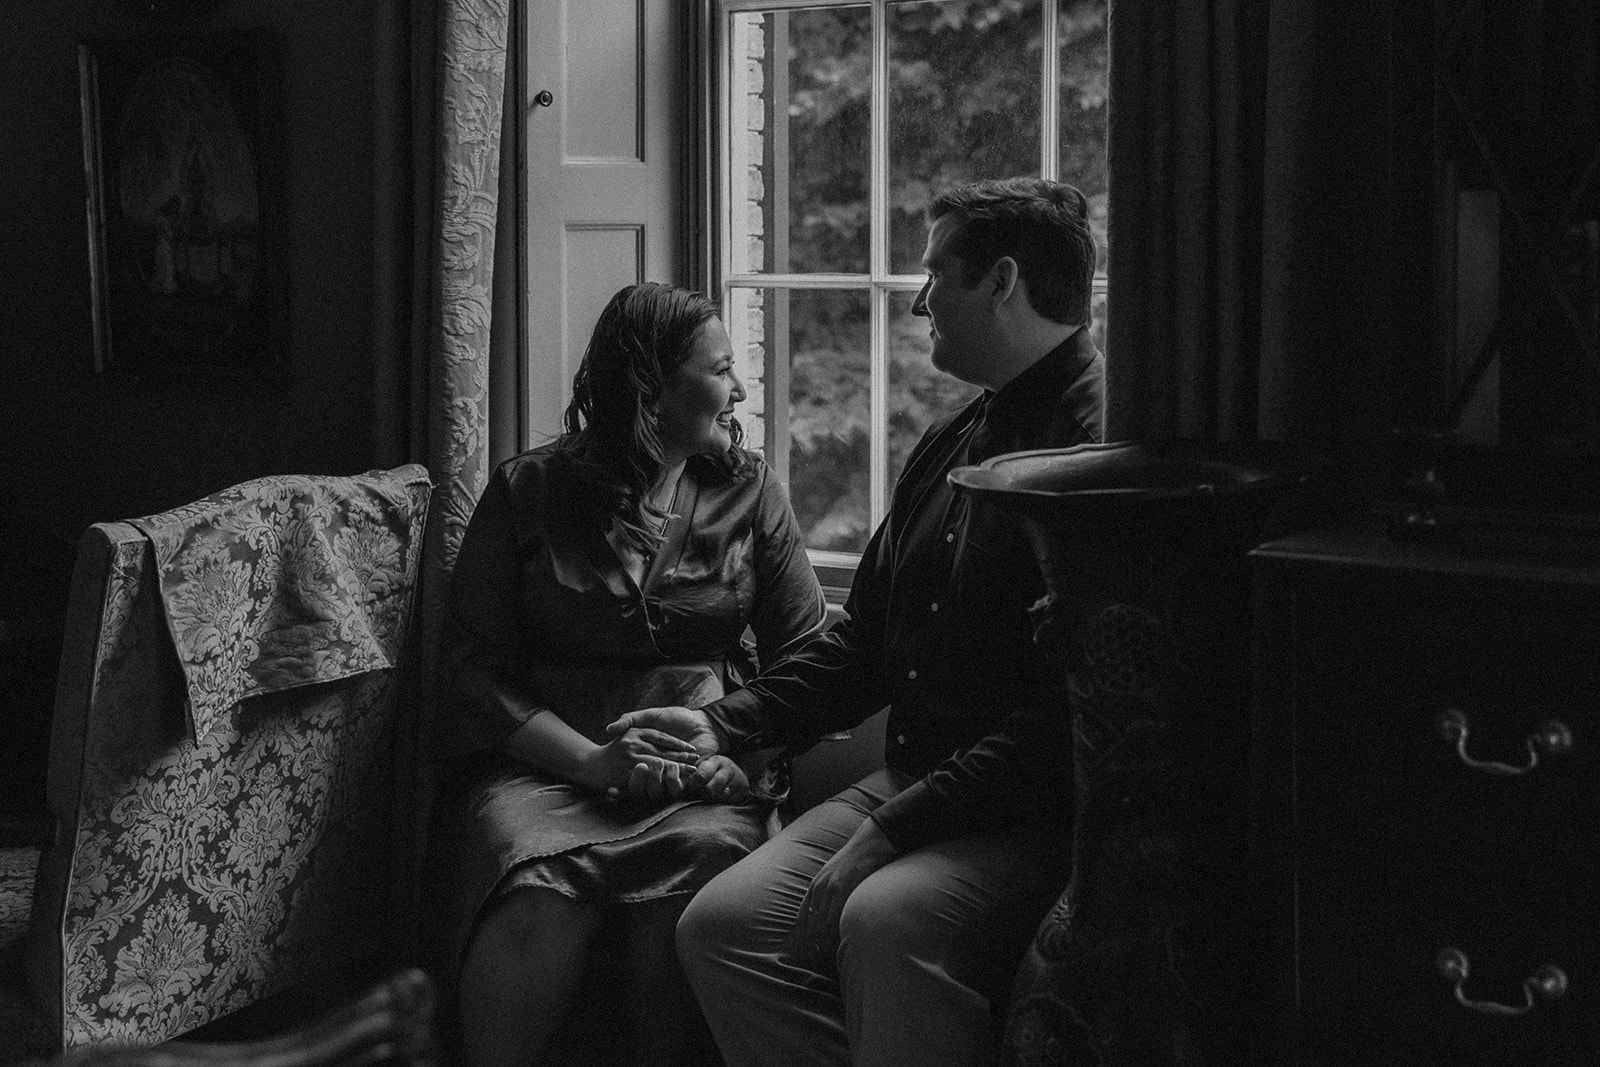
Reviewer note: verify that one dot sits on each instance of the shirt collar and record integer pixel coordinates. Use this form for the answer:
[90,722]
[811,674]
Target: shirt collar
[1043,383]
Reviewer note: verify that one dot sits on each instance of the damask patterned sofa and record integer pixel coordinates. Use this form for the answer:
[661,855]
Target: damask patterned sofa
[223,773]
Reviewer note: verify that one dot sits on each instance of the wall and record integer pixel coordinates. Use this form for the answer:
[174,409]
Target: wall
[82,448]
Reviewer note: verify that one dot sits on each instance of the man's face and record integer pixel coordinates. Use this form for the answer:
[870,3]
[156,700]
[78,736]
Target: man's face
[959,317]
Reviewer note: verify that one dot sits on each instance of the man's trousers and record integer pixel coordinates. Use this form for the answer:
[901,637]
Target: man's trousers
[927,946]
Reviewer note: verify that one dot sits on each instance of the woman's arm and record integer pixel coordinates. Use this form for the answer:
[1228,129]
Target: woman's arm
[484,646]
[548,743]
[487,649]
[789,608]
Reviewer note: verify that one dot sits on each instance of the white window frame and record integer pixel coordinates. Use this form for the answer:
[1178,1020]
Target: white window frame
[835,568]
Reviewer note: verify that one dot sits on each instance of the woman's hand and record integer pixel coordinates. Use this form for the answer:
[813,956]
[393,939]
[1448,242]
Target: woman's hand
[720,778]
[691,724]
[640,762]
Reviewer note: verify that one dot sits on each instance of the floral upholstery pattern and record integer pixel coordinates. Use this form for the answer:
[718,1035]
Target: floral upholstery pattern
[206,861]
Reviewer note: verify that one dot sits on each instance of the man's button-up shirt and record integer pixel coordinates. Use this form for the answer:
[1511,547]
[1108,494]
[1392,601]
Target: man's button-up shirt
[937,629]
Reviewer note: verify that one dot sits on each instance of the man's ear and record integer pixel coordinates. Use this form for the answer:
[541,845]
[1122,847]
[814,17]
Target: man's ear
[1005,278]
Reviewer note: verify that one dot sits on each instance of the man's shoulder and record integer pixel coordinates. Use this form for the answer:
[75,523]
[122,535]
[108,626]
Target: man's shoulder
[1078,413]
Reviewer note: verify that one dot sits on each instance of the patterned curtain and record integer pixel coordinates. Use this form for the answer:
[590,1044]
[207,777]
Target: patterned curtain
[471,49]
[449,60]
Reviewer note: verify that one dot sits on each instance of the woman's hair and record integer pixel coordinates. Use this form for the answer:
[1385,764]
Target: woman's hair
[612,427]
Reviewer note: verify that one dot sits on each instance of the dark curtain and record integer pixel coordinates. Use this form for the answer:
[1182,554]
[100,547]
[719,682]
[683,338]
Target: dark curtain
[1261,220]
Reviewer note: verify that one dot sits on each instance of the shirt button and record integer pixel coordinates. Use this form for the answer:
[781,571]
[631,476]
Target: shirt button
[900,739]
[933,607]
[911,675]
[949,537]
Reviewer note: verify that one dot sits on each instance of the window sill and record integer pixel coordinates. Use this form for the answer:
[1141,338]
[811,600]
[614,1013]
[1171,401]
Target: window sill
[836,571]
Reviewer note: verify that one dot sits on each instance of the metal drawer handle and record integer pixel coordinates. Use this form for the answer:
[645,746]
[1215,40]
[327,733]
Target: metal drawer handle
[1548,983]
[1552,738]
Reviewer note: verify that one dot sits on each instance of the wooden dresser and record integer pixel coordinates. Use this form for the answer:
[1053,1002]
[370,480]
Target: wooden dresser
[1426,796]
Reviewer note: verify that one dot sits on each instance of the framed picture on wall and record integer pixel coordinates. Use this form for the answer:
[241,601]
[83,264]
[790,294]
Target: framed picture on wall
[183,160]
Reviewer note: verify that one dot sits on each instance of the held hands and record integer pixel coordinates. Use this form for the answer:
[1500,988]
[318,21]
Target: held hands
[689,732]
[719,778]
[814,939]
[715,778]
[641,762]
[688,724]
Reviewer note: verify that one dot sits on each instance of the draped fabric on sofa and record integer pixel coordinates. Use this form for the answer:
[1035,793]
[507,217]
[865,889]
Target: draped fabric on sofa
[219,761]
[1262,276]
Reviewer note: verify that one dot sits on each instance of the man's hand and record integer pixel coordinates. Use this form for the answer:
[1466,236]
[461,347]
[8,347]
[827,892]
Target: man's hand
[815,937]
[687,724]
[720,778]
[643,762]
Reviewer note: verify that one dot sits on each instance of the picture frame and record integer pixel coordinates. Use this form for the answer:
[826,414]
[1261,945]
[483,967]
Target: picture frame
[183,162]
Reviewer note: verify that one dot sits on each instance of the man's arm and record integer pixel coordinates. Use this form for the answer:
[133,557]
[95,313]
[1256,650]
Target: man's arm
[830,683]
[1021,774]
[1022,771]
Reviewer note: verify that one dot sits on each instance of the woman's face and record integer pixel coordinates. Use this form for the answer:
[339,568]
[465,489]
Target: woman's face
[697,399]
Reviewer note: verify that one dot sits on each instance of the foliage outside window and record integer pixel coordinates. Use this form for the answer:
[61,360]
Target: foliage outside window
[839,122]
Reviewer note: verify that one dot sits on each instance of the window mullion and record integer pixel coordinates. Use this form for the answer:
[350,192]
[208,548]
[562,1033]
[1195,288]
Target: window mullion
[1049,91]
[721,237]
[779,358]
[878,252]
[799,281]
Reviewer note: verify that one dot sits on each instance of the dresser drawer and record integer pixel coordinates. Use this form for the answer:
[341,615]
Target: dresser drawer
[1445,802]
[1443,726]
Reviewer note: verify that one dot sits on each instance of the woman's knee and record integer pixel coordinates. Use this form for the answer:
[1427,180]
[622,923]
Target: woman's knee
[522,922]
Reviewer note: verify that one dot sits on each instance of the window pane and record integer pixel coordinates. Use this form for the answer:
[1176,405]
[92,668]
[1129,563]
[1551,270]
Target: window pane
[807,367]
[800,107]
[963,105]
[918,394]
[1085,89]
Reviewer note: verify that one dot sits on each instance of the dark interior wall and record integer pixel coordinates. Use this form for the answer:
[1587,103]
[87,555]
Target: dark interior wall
[81,448]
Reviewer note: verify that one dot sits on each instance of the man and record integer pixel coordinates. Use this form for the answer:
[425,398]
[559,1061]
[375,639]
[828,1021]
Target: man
[881,926]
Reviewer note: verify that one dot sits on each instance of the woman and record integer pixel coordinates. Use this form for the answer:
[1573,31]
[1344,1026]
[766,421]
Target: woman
[614,569]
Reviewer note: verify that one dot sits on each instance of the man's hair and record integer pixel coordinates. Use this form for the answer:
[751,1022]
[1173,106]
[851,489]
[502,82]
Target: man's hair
[612,429]
[1041,224]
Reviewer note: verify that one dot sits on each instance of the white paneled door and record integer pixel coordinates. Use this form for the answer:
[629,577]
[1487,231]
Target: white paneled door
[606,96]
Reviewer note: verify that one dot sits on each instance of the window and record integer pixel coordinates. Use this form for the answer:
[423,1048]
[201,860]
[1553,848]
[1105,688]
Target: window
[836,124]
